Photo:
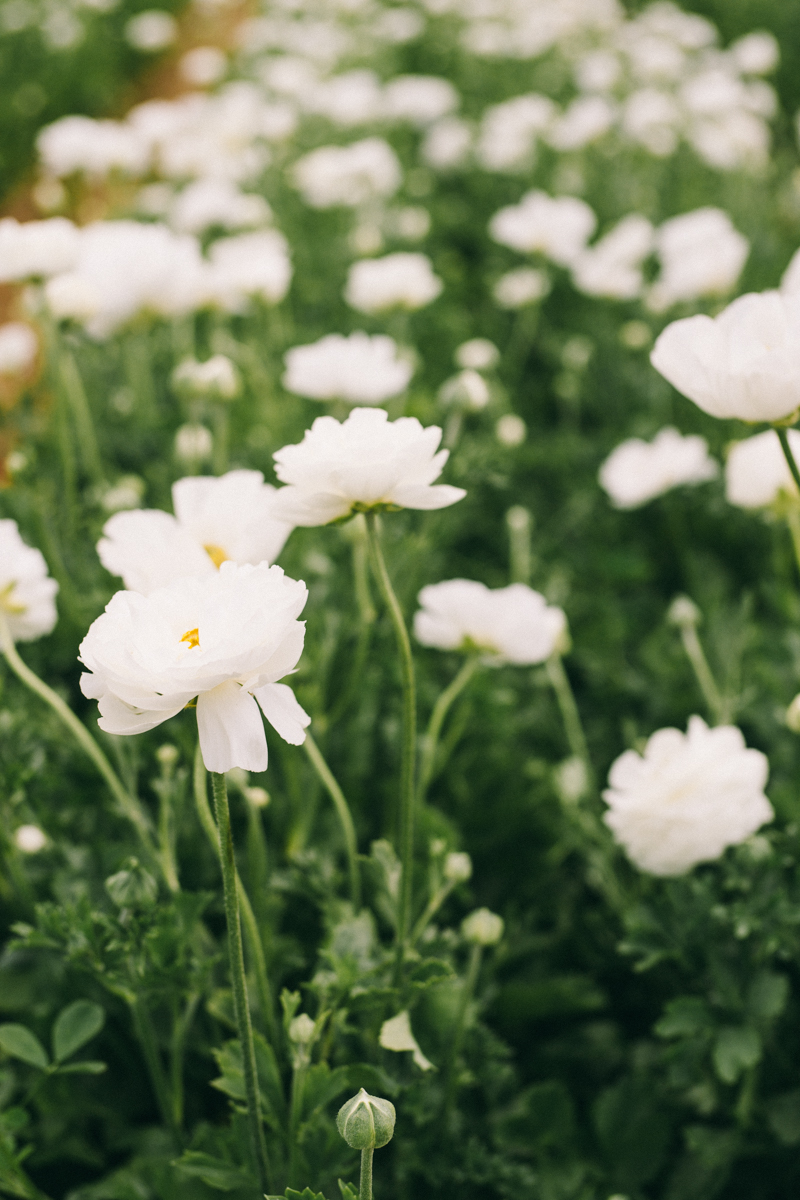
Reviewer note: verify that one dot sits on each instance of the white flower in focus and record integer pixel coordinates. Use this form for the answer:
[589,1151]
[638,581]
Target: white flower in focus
[229,518]
[756,471]
[18,347]
[207,202]
[701,253]
[27,593]
[524,285]
[250,264]
[513,624]
[217,377]
[402,280]
[687,798]
[366,462]
[743,363]
[226,640]
[556,226]
[30,839]
[638,471]
[36,249]
[360,369]
[613,266]
[348,175]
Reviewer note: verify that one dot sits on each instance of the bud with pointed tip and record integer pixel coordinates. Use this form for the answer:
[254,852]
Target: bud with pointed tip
[366,1122]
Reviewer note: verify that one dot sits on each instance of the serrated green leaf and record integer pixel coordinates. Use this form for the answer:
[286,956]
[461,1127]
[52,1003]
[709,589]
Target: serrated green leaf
[736,1049]
[306,1194]
[19,1042]
[216,1172]
[347,1190]
[74,1026]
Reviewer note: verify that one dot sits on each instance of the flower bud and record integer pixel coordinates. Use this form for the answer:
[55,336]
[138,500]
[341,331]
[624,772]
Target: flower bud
[482,927]
[457,867]
[683,612]
[167,755]
[366,1122]
[302,1030]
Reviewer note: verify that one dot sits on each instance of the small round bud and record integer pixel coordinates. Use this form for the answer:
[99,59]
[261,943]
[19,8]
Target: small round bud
[683,612]
[457,867]
[467,390]
[302,1030]
[257,796]
[519,519]
[478,354]
[29,839]
[366,1122]
[793,715]
[482,927]
[167,755]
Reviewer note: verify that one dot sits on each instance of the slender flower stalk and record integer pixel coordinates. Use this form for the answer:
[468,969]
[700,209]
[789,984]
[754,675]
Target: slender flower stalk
[792,515]
[129,806]
[569,709]
[165,1100]
[78,401]
[365,1182]
[408,752]
[793,525]
[230,883]
[430,740]
[343,813]
[783,438]
[367,618]
[686,615]
[467,992]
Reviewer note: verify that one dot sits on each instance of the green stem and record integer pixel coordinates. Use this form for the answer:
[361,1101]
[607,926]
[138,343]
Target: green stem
[166,849]
[569,709]
[295,1117]
[129,806]
[408,753]
[343,812]
[793,522]
[84,424]
[367,615]
[783,438]
[430,740]
[461,1018]
[365,1183]
[708,686]
[145,1032]
[434,904]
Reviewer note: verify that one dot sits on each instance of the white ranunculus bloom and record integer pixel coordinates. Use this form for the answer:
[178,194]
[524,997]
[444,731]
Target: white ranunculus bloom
[250,264]
[402,280]
[225,640]
[638,471]
[36,249]
[585,120]
[743,363]
[207,202]
[513,624]
[509,132]
[447,144]
[352,98]
[18,347]
[701,254]
[524,285]
[419,99]
[78,143]
[366,462]
[360,369]
[478,354]
[756,471]
[216,520]
[687,798]
[348,175]
[556,226]
[27,593]
[613,266]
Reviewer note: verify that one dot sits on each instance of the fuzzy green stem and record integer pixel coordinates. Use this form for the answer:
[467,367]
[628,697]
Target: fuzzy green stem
[82,414]
[343,813]
[166,848]
[783,438]
[231,892]
[129,806]
[467,993]
[430,740]
[793,523]
[408,752]
[145,1032]
[367,615]
[434,904]
[708,685]
[365,1182]
[569,709]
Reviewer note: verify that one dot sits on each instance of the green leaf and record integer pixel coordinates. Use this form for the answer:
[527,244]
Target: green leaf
[90,1067]
[783,1117]
[215,1172]
[767,995]
[19,1042]
[74,1026]
[684,1017]
[633,1131]
[306,1194]
[736,1049]
[347,1190]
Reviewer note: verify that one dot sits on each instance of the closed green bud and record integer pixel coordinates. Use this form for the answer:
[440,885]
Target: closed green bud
[366,1122]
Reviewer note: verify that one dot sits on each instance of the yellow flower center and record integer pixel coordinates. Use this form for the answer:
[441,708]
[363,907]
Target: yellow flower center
[7,605]
[216,554]
[192,636]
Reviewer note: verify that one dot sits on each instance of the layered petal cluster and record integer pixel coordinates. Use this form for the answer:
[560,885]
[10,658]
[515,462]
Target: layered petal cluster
[216,520]
[366,462]
[513,624]
[400,280]
[756,471]
[557,226]
[743,363]
[27,593]
[225,640]
[638,471]
[687,798]
[359,369]
[702,254]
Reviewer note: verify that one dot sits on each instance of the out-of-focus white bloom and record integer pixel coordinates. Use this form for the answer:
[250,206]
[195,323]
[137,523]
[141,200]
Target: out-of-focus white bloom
[756,53]
[208,202]
[652,118]
[27,593]
[227,519]
[585,120]
[226,640]
[18,347]
[524,285]
[217,377]
[507,625]
[509,132]
[397,25]
[250,264]
[597,71]
[151,31]
[613,266]
[457,867]
[76,143]
[36,249]
[30,839]
[447,144]
[400,280]
[478,354]
[483,927]
[756,471]
[366,462]
[203,66]
[193,444]
[411,222]
[638,471]
[396,1035]
[353,98]
[420,99]
[348,175]
[743,363]
[126,493]
[556,226]
[511,430]
[467,389]
[359,369]
[701,254]
[688,798]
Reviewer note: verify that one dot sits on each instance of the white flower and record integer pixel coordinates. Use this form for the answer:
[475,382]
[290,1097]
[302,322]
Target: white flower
[511,430]
[468,389]
[203,65]
[27,594]
[229,518]
[250,264]
[457,867]
[447,144]
[30,839]
[152,30]
[402,280]
[207,202]
[360,369]
[638,471]
[419,99]
[348,175]
[483,927]
[790,281]
[76,143]
[18,347]
[193,443]
[652,118]
[756,471]
[224,640]
[478,354]
[217,377]
[366,462]
[509,132]
[524,285]
[36,249]
[508,625]
[396,1035]
[585,120]
[756,53]
[687,798]
[349,99]
[556,226]
[743,363]
[701,253]
[613,266]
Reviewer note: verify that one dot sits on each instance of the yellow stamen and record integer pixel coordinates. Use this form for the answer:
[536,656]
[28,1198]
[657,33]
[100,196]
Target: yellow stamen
[192,636]
[7,605]
[216,554]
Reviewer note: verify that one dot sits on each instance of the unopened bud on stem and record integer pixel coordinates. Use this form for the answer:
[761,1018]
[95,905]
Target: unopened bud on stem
[366,1122]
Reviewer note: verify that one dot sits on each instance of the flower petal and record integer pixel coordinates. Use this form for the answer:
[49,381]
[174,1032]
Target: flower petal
[231,730]
[281,708]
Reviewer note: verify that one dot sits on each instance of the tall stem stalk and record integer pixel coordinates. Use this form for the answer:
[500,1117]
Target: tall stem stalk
[230,885]
[365,1183]
[409,737]
[430,741]
[343,813]
[569,709]
[708,685]
[461,1018]
[145,1032]
[783,438]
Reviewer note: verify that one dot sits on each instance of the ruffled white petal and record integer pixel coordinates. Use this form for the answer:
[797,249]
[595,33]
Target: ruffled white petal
[231,730]
[283,711]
